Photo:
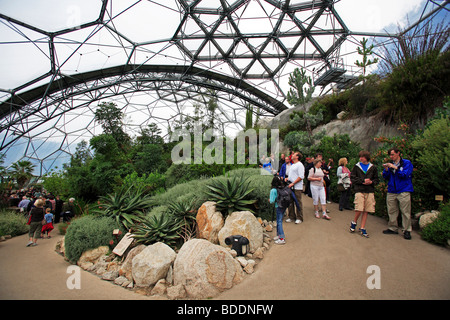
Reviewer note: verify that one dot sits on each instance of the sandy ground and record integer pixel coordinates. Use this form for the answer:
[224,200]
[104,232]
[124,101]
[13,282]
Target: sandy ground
[321,260]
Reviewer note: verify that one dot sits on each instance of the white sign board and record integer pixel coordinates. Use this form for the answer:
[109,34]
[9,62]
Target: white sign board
[123,244]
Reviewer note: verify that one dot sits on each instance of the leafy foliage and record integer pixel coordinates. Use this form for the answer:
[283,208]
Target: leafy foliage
[438,231]
[433,147]
[86,233]
[12,223]
[150,183]
[22,171]
[300,140]
[110,117]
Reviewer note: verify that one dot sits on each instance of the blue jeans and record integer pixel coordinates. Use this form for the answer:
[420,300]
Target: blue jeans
[280,215]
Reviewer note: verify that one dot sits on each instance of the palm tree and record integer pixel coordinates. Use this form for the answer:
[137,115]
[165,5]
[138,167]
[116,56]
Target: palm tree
[22,171]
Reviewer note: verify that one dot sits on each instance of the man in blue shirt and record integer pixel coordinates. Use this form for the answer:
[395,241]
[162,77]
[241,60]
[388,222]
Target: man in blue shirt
[398,173]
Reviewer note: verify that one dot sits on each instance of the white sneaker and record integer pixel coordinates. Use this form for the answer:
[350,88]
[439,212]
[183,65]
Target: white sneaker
[288,220]
[280,241]
[276,238]
[298,221]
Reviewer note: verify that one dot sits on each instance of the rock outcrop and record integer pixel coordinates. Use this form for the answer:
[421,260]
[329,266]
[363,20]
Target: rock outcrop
[152,264]
[243,223]
[205,269]
[209,222]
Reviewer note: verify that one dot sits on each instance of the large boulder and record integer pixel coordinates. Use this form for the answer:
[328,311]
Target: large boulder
[205,269]
[427,218]
[243,223]
[152,264]
[209,222]
[126,267]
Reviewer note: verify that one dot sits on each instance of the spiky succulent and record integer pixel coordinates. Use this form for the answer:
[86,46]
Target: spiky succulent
[158,228]
[182,209]
[231,194]
[126,206]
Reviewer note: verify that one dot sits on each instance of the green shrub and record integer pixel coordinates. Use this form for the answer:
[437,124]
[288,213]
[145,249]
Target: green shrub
[12,223]
[150,183]
[414,89]
[180,173]
[438,231]
[89,232]
[433,147]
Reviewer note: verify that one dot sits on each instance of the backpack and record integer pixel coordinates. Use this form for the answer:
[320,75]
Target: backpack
[284,197]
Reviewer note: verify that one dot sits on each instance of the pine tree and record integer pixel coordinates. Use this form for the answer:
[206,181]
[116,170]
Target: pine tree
[365,52]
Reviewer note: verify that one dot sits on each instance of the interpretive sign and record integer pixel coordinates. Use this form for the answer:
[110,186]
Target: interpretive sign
[123,244]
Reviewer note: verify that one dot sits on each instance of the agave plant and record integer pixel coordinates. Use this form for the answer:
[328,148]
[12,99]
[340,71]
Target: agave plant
[182,209]
[157,228]
[231,195]
[125,206]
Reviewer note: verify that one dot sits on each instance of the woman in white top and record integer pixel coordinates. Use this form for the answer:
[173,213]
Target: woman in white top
[317,189]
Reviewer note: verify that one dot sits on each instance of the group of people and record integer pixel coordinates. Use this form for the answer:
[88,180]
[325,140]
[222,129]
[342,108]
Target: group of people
[362,179]
[42,211]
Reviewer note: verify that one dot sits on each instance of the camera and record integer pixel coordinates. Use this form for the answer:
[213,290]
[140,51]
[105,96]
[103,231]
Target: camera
[238,243]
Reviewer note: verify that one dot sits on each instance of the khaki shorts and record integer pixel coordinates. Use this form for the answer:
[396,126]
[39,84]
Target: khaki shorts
[365,202]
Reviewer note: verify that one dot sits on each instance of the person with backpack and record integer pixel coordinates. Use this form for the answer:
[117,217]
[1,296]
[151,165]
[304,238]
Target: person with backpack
[316,176]
[280,194]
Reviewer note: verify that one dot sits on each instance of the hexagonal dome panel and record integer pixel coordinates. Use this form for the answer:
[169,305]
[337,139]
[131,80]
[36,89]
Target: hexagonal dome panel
[157,60]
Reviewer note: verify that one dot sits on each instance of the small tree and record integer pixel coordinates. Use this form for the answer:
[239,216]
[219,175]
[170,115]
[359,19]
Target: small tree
[110,117]
[366,52]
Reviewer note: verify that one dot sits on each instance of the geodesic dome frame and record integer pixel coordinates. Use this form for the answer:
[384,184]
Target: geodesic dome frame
[155,60]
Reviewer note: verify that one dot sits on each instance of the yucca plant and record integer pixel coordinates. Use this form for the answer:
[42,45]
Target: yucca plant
[157,228]
[126,206]
[231,195]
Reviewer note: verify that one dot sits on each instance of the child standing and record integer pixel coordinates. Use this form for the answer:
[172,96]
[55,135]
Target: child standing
[277,184]
[364,177]
[49,225]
